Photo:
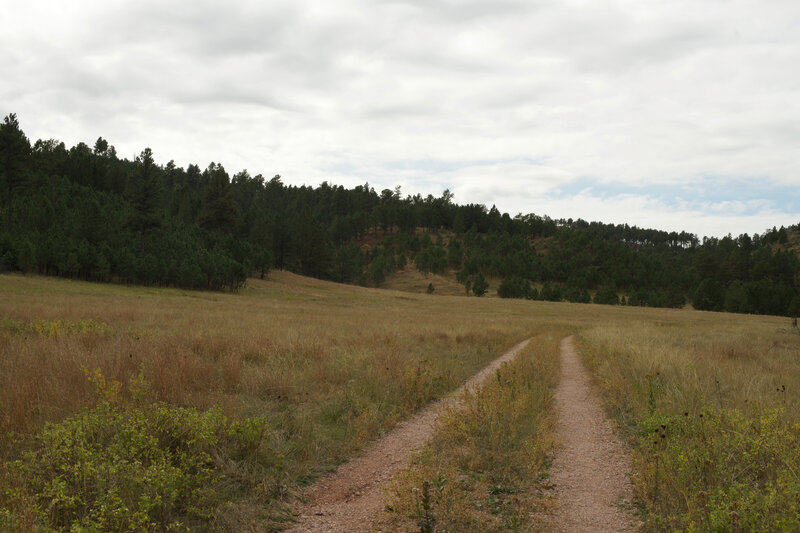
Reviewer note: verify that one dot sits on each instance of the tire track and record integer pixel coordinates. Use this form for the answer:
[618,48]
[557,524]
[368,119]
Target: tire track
[348,499]
[589,470]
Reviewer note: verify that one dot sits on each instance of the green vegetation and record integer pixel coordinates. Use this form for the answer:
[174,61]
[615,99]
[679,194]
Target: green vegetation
[85,213]
[141,467]
[713,411]
[515,287]
[482,469]
[53,328]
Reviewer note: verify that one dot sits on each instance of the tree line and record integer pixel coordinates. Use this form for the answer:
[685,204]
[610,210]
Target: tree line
[84,212]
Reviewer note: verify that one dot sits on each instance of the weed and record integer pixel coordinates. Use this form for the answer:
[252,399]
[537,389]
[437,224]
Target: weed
[425,518]
[651,392]
[53,328]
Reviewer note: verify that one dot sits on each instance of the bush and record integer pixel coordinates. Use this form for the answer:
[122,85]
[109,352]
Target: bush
[26,256]
[656,299]
[674,298]
[480,285]
[607,295]
[577,295]
[638,297]
[794,307]
[550,293]
[119,467]
[515,287]
[709,296]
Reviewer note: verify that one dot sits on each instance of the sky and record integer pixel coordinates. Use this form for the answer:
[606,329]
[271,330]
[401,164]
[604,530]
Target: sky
[675,115]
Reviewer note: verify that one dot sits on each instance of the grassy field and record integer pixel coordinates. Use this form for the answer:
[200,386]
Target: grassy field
[327,366]
[711,403]
[287,378]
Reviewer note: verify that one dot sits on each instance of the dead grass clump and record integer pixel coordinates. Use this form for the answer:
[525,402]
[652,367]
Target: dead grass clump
[465,338]
[178,371]
[40,378]
[231,367]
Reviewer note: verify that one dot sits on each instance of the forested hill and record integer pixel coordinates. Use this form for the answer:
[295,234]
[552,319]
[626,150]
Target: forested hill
[84,212]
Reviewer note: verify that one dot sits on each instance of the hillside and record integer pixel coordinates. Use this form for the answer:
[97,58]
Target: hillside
[85,213]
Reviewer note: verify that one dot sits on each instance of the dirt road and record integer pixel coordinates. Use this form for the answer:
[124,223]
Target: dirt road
[589,470]
[348,499]
[590,466]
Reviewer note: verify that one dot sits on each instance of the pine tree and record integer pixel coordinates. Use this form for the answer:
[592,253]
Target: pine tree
[144,192]
[480,285]
[219,210]
[14,152]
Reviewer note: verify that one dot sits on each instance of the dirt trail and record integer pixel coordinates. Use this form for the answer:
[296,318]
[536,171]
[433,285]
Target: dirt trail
[589,470]
[348,499]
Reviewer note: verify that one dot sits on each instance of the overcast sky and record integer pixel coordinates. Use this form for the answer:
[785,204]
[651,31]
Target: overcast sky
[678,115]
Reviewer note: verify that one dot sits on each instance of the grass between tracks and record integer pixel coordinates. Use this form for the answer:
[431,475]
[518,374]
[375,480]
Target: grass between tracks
[482,469]
[713,410]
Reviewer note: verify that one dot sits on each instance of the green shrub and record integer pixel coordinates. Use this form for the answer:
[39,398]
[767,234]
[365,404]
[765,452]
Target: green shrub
[515,287]
[480,285]
[607,295]
[125,467]
[709,296]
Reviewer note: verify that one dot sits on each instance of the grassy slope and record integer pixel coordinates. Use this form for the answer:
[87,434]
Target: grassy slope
[410,279]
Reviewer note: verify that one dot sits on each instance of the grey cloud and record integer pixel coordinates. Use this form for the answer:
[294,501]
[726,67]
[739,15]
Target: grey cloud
[419,92]
[455,12]
[205,27]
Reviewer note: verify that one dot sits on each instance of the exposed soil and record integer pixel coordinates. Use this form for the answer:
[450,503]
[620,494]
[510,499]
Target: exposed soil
[348,499]
[589,470]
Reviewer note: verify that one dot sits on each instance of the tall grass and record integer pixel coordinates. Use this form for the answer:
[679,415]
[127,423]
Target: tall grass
[481,471]
[713,406]
[329,367]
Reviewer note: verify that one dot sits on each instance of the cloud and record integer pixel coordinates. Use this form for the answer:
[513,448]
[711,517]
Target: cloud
[676,212]
[702,218]
[502,102]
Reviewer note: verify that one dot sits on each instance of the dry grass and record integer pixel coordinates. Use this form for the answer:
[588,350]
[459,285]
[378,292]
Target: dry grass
[482,469]
[287,342]
[333,366]
[329,366]
[410,279]
[712,402]
[285,345]
[693,359]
